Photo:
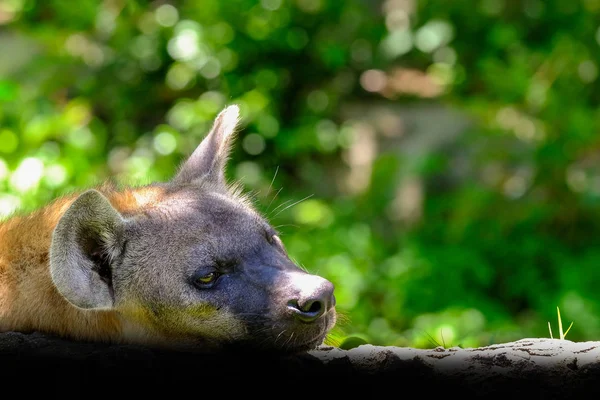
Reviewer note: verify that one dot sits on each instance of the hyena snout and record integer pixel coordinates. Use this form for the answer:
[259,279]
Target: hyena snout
[312,297]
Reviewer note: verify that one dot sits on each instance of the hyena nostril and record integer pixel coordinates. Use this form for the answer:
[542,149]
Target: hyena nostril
[312,307]
[308,310]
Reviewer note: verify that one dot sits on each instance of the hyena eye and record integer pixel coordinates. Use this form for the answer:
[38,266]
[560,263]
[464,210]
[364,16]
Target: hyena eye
[206,281]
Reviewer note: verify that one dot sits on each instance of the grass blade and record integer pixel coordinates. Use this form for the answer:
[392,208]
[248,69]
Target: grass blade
[560,330]
[568,329]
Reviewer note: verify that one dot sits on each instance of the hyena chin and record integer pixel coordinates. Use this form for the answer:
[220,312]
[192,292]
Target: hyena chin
[185,263]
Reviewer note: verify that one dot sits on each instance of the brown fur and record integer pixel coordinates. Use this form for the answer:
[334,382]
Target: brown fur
[28,299]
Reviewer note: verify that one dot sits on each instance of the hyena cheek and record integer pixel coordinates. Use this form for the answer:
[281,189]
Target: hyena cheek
[214,323]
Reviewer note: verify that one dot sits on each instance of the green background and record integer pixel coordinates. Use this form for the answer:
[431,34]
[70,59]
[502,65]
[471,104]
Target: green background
[439,161]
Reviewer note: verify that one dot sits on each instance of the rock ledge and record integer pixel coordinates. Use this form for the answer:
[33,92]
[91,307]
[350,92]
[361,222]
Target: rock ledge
[538,368]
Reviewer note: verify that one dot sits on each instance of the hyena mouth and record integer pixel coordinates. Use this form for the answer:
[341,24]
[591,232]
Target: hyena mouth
[293,337]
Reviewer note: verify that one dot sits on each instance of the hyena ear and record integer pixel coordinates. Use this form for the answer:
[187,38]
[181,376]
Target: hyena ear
[88,236]
[209,159]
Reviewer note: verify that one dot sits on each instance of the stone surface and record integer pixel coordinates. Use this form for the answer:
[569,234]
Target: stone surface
[528,368]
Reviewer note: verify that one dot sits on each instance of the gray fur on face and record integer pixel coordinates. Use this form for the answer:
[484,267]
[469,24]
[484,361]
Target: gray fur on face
[155,264]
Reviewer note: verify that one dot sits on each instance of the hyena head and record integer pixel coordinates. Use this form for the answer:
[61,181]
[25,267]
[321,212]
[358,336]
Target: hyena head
[196,265]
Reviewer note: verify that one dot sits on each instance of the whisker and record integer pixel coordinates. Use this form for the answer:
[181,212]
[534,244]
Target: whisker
[280,333]
[271,186]
[332,340]
[273,180]
[281,205]
[293,204]
[289,342]
[302,266]
[252,195]
[274,197]
[282,225]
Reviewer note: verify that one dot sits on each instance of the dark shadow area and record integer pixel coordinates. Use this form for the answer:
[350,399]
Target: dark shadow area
[35,363]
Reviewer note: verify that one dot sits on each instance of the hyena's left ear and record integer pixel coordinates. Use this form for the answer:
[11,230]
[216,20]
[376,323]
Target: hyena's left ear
[209,159]
[85,241]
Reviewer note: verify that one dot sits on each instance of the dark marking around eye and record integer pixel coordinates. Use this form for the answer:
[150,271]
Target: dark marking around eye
[226,266]
[206,279]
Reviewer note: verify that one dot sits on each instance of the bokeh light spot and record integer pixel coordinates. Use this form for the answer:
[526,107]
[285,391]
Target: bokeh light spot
[180,76]
[182,115]
[297,38]
[577,180]
[312,212]
[515,186]
[167,15]
[441,74]
[249,173]
[81,138]
[433,35]
[267,78]
[211,69]
[397,43]
[55,175]
[317,100]
[138,164]
[588,71]
[222,32]
[397,19]
[373,80]
[143,46]
[164,143]
[492,7]
[27,175]
[327,134]
[147,23]
[8,205]
[310,6]
[268,125]
[361,50]
[254,144]
[271,5]
[184,46]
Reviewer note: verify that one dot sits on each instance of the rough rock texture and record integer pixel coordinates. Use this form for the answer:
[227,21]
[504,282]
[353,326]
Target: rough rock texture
[528,368]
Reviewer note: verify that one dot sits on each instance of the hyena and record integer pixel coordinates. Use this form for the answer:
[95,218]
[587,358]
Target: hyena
[188,262]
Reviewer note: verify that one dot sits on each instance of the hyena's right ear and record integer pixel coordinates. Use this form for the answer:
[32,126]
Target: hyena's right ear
[209,159]
[88,236]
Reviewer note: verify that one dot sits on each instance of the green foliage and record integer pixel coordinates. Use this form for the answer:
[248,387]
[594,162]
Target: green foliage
[464,242]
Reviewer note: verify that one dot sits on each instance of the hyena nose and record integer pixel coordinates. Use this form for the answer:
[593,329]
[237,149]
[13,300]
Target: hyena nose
[313,302]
